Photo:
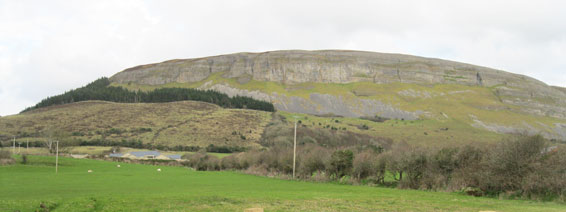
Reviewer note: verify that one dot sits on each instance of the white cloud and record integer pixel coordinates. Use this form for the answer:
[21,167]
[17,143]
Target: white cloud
[47,47]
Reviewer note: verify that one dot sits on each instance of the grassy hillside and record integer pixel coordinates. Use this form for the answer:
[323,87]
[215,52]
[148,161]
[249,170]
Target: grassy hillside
[178,123]
[463,110]
[134,187]
[451,115]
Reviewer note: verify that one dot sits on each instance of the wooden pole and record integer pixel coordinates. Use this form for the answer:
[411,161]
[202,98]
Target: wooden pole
[295,149]
[27,145]
[57,158]
[14,146]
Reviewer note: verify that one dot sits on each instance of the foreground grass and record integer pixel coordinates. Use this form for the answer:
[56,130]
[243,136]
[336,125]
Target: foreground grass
[134,187]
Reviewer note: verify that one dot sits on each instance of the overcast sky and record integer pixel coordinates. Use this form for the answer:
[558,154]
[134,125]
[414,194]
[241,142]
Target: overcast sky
[48,47]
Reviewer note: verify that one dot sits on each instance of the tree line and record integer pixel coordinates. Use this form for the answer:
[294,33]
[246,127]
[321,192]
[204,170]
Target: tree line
[100,90]
[524,167]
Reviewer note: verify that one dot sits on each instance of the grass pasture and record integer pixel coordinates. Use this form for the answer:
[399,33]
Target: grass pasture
[135,187]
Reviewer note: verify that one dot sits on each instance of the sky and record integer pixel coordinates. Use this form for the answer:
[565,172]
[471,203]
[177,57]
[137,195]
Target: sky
[49,47]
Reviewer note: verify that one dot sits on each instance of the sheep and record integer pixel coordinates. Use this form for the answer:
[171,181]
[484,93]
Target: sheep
[158,170]
[89,171]
[118,165]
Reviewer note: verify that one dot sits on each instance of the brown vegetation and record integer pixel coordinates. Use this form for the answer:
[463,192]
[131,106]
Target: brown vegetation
[6,158]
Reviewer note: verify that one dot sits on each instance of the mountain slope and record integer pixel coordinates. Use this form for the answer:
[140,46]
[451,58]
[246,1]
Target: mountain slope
[358,84]
[185,123]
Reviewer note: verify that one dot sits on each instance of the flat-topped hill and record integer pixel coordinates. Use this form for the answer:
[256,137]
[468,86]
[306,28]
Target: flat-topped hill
[361,84]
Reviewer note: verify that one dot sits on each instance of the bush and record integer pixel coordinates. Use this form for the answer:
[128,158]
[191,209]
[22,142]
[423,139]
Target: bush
[393,160]
[202,162]
[510,162]
[364,165]
[313,160]
[441,164]
[549,180]
[5,154]
[24,159]
[6,157]
[380,169]
[341,163]
[469,168]
[414,165]
[229,162]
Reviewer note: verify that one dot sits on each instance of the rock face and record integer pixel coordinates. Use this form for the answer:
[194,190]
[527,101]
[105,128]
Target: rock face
[338,66]
[329,66]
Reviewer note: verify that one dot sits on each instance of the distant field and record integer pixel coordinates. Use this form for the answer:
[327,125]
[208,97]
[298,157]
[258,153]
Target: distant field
[135,187]
[95,150]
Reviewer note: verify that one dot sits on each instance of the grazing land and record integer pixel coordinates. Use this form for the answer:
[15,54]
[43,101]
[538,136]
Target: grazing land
[135,187]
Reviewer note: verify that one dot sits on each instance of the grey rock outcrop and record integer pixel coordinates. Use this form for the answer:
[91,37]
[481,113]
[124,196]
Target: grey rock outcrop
[323,104]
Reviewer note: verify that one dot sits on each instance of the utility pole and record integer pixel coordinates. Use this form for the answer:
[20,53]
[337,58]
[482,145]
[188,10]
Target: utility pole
[295,149]
[57,158]
[27,145]
[14,146]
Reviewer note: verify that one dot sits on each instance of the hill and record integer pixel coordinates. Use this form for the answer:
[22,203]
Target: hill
[183,123]
[368,84]
[344,95]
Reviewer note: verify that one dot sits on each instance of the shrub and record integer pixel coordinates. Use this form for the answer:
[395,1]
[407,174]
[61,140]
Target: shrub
[469,168]
[5,154]
[24,159]
[380,169]
[364,165]
[414,165]
[441,164]
[510,162]
[394,159]
[341,163]
[6,157]
[313,160]
[202,162]
[549,180]
[229,162]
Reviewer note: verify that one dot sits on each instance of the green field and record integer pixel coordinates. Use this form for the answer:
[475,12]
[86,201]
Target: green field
[134,187]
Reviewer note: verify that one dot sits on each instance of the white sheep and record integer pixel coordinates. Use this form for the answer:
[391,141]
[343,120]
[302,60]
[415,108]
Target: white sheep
[158,170]
[118,165]
[89,171]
